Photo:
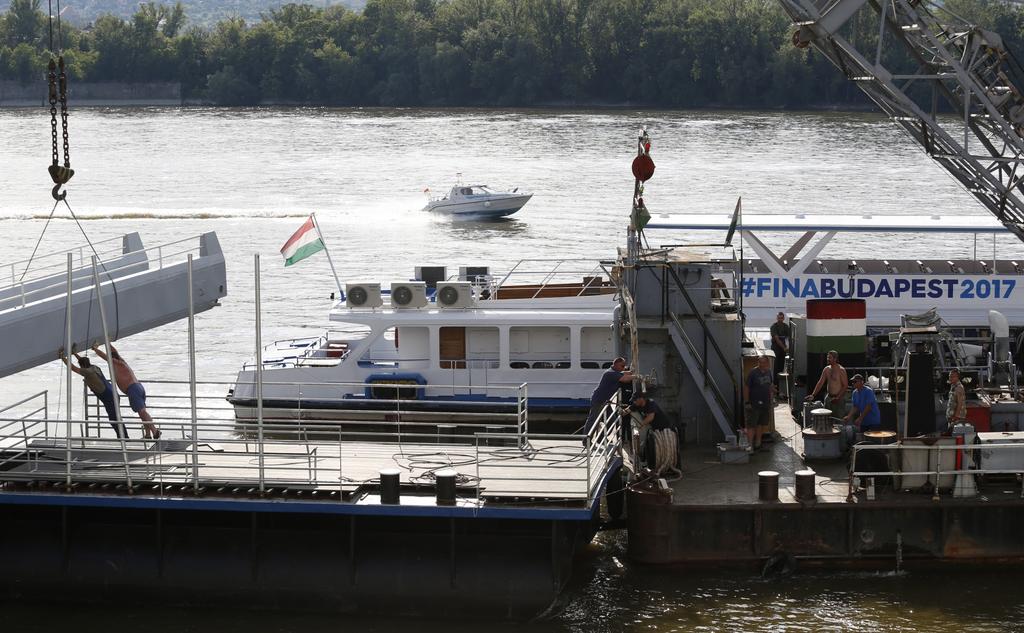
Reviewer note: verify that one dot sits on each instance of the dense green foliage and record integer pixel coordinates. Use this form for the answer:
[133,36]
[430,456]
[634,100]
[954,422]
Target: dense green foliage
[672,53]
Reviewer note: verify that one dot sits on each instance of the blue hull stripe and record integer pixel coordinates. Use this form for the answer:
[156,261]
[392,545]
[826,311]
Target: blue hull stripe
[289,506]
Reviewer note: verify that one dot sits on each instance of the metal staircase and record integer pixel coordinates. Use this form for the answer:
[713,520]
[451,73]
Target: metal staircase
[724,405]
[695,364]
[953,66]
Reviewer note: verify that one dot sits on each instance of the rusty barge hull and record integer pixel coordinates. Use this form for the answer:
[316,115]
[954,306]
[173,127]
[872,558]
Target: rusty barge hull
[953,531]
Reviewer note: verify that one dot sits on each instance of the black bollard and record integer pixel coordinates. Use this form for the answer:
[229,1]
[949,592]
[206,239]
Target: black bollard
[805,485]
[389,482]
[445,487]
[768,485]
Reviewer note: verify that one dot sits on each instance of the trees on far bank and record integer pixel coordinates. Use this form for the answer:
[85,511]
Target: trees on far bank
[667,53]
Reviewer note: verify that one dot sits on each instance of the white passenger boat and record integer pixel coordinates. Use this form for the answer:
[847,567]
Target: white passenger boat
[464,345]
[962,290]
[478,202]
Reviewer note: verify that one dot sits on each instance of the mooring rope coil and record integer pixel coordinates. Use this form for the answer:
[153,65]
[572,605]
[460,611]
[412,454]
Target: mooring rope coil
[666,453]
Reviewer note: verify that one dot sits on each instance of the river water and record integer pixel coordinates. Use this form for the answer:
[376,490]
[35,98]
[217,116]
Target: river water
[254,175]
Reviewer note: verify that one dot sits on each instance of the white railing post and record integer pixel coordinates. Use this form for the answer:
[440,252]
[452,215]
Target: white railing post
[589,449]
[67,354]
[341,469]
[259,377]
[192,379]
[110,367]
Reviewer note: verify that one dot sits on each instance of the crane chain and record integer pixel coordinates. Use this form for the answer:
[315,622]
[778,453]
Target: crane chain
[52,78]
[63,80]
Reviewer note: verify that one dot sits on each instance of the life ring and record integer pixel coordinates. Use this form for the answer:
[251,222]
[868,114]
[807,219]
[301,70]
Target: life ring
[798,41]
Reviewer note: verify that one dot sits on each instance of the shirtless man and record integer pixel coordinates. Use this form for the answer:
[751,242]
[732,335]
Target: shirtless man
[131,387]
[834,375]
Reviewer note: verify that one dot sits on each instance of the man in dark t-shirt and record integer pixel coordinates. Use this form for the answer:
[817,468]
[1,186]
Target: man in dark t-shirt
[612,379]
[780,343]
[652,418]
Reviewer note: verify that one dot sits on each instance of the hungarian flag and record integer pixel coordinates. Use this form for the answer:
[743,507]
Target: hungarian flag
[302,243]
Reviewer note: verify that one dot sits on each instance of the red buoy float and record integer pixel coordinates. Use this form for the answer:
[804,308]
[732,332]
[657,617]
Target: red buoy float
[643,168]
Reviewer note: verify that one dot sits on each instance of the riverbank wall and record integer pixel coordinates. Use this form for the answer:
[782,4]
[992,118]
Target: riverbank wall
[14,94]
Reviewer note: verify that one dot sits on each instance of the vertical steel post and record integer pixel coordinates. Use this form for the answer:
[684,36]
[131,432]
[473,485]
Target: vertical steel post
[67,354]
[110,368]
[259,375]
[192,379]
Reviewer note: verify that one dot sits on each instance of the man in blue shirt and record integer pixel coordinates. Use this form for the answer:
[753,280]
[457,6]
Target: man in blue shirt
[865,407]
[612,379]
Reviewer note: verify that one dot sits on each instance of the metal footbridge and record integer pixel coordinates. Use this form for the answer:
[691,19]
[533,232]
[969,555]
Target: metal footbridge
[117,288]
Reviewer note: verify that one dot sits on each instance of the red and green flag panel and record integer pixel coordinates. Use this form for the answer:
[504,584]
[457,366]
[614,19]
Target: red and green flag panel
[837,324]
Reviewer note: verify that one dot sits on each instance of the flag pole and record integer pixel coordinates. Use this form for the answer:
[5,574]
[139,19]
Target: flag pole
[327,251]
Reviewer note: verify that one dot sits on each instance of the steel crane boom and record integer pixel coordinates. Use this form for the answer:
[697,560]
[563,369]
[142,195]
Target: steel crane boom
[947,67]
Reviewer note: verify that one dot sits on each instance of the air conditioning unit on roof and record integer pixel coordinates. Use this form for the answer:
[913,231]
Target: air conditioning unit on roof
[409,294]
[454,294]
[363,296]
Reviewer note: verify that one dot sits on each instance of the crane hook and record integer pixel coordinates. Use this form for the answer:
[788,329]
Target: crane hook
[57,194]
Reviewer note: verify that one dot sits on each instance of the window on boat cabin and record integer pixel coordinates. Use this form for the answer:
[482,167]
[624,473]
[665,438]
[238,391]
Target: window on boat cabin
[596,347]
[476,347]
[382,352]
[539,347]
[466,191]
[412,347]
[482,347]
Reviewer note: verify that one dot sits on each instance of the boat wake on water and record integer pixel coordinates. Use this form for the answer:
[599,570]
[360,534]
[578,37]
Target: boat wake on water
[149,215]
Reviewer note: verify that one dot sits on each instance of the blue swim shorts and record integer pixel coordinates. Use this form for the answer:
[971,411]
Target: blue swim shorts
[136,396]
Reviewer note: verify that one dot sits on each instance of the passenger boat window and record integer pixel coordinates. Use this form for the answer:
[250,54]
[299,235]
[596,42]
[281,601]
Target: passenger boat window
[539,347]
[382,352]
[413,347]
[596,346]
[482,347]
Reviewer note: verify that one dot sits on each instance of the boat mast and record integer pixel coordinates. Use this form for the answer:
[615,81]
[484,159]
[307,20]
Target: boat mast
[327,251]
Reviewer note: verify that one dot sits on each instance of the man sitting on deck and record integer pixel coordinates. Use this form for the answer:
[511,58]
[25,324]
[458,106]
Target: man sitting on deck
[131,387]
[612,379]
[865,407]
[100,387]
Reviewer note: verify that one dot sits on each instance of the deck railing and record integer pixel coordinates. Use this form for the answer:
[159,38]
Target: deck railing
[50,263]
[23,291]
[573,277]
[962,458]
[334,465]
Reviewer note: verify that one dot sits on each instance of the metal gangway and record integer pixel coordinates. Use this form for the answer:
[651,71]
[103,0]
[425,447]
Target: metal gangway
[927,58]
[115,291]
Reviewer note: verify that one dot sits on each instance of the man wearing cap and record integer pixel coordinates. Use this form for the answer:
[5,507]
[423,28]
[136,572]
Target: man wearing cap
[865,407]
[650,417]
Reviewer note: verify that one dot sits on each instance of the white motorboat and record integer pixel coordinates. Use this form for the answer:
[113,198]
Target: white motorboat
[478,202]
